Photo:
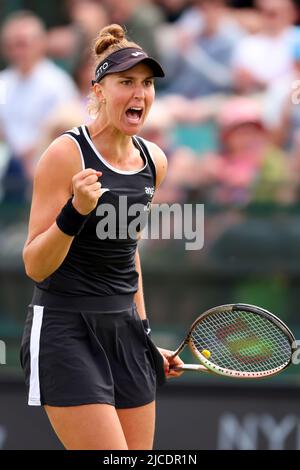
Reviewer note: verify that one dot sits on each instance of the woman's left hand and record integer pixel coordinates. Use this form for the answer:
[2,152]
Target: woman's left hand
[170,361]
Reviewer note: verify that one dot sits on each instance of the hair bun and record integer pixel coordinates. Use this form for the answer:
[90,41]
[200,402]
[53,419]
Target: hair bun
[112,34]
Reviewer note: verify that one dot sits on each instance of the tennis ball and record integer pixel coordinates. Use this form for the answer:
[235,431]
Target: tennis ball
[206,353]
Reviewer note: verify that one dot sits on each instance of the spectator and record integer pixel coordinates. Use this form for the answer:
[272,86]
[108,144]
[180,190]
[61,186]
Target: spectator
[272,46]
[34,87]
[194,18]
[199,65]
[249,168]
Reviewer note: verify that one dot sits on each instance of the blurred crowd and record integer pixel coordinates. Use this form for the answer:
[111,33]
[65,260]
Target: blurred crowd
[227,115]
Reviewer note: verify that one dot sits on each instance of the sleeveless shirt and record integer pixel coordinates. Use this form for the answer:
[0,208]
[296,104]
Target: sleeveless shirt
[106,266]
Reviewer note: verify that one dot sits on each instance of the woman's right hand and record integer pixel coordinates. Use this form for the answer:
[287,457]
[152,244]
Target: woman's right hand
[87,190]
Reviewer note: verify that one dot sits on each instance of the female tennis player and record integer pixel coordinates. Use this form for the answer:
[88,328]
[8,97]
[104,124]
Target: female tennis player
[86,350]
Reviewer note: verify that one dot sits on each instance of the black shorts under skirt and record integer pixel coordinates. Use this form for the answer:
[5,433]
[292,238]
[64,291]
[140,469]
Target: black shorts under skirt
[77,358]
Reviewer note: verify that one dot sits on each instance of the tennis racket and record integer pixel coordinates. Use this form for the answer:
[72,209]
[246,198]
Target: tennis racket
[240,341]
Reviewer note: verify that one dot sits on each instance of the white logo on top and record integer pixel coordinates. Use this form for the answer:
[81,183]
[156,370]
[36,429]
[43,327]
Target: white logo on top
[102,68]
[136,54]
[149,190]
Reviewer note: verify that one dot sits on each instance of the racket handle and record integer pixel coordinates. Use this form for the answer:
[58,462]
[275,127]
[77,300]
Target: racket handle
[191,367]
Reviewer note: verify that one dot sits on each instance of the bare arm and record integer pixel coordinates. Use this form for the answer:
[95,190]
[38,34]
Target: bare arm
[161,164]
[57,177]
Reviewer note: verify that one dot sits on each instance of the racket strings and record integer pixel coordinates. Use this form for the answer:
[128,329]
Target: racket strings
[243,341]
[245,345]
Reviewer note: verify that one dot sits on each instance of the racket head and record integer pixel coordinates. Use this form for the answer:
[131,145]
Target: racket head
[244,341]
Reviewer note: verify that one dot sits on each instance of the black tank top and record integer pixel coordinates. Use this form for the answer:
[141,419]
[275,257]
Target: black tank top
[104,267]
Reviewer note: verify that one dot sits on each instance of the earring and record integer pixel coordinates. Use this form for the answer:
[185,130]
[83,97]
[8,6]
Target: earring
[103,101]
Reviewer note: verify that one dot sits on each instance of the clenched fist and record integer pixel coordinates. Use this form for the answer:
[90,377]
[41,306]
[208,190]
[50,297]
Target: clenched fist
[87,190]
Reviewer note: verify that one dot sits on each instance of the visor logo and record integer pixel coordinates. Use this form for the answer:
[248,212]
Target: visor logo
[102,69]
[136,54]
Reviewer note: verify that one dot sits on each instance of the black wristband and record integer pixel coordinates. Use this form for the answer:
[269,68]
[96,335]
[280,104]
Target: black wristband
[69,220]
[146,326]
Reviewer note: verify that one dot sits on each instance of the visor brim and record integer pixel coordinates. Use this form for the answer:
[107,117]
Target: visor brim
[126,65]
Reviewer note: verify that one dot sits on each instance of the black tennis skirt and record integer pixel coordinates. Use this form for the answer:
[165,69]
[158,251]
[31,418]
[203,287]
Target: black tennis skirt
[81,357]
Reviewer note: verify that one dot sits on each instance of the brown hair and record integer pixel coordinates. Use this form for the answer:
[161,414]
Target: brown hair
[110,39]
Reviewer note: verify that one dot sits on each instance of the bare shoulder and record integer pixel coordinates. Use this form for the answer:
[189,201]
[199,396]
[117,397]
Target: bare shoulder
[160,160]
[53,183]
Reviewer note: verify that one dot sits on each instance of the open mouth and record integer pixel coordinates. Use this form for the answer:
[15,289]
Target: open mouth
[134,114]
